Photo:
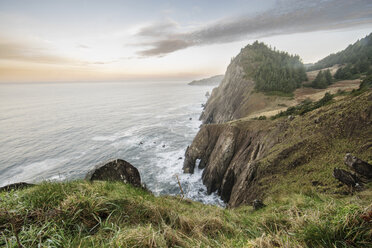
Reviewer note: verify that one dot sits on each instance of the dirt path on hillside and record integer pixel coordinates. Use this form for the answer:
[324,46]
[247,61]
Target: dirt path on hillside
[276,105]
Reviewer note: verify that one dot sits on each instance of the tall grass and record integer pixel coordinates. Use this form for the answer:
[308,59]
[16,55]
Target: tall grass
[108,214]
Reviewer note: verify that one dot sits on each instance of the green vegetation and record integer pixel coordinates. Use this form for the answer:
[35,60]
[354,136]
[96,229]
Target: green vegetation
[358,56]
[272,70]
[322,80]
[108,214]
[305,106]
[366,83]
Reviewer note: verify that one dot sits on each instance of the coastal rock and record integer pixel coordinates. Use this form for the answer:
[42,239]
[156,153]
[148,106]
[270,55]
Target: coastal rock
[15,186]
[115,170]
[220,158]
[359,166]
[228,153]
[201,148]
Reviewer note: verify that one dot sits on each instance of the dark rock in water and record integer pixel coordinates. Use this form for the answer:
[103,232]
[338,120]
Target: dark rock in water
[163,146]
[257,204]
[115,170]
[180,158]
[154,142]
[15,186]
[141,143]
[347,178]
[359,166]
[190,118]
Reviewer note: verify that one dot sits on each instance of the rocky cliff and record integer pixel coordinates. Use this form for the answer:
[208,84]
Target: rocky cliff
[228,100]
[245,160]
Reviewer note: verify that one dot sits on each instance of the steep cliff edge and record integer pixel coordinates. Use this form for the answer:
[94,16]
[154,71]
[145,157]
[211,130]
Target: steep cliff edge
[248,159]
[227,100]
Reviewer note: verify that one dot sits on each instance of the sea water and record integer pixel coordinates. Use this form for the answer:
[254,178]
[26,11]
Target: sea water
[59,131]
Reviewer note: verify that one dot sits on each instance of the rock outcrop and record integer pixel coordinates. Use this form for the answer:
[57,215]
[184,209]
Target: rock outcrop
[229,153]
[115,170]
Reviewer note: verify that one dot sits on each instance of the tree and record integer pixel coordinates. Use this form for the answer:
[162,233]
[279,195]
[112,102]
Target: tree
[272,70]
[328,77]
[322,80]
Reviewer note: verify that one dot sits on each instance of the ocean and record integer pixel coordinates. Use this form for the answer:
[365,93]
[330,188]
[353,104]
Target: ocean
[59,131]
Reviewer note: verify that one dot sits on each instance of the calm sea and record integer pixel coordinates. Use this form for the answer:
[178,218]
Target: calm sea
[59,131]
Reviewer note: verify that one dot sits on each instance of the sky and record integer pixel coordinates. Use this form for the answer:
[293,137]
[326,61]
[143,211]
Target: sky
[117,40]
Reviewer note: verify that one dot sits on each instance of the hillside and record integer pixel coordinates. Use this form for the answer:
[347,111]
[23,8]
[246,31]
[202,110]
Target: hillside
[212,81]
[249,159]
[358,54]
[257,68]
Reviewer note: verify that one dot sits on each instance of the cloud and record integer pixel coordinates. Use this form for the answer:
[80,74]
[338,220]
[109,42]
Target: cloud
[158,28]
[28,52]
[39,53]
[286,17]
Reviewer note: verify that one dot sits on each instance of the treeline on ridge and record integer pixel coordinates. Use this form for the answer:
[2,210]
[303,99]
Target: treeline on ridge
[272,70]
[357,57]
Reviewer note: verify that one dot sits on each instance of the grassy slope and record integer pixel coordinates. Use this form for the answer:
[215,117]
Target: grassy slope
[106,214]
[310,151]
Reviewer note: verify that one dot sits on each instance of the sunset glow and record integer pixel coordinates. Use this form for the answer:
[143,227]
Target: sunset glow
[125,40]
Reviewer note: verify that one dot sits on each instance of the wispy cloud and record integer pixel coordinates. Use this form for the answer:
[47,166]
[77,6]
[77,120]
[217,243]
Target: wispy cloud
[286,17]
[39,53]
[29,52]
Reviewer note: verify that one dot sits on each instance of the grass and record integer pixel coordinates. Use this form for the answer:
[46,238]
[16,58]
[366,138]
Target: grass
[279,93]
[109,214]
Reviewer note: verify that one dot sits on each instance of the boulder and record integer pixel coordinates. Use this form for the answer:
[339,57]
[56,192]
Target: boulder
[361,167]
[115,170]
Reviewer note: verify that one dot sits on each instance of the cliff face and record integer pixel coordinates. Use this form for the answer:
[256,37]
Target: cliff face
[244,160]
[227,101]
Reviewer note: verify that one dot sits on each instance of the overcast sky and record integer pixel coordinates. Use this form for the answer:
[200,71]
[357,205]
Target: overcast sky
[77,40]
